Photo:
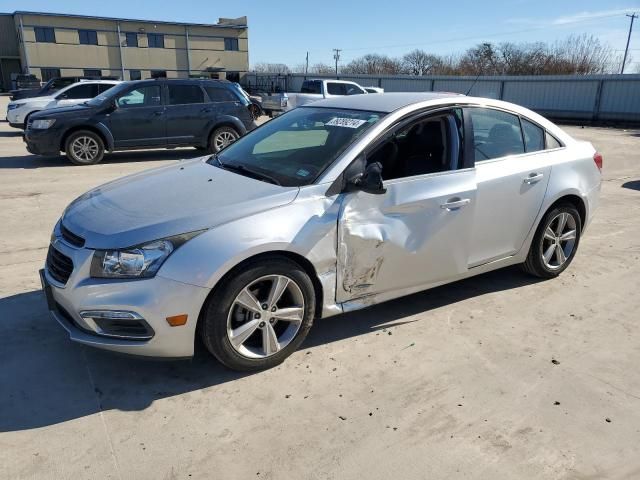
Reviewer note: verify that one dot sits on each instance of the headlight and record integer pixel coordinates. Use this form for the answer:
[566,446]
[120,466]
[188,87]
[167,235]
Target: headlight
[137,262]
[42,124]
[13,106]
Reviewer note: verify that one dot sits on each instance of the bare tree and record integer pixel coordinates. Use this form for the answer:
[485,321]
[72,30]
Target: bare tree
[419,62]
[374,64]
[279,68]
[322,69]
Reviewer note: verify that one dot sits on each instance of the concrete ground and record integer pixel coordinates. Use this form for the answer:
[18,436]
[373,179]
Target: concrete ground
[456,382]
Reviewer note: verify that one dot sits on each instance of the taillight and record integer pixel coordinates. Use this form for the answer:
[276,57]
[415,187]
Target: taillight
[598,159]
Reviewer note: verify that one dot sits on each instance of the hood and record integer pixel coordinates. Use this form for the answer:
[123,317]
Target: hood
[71,110]
[180,198]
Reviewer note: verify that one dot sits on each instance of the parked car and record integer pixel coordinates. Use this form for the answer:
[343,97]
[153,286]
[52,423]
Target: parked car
[25,81]
[19,111]
[329,208]
[53,86]
[160,113]
[311,91]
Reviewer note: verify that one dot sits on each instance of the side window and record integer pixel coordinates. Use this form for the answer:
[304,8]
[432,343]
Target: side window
[103,87]
[533,136]
[311,87]
[552,142]
[185,94]
[495,134]
[148,96]
[354,90]
[81,91]
[336,88]
[428,145]
[217,94]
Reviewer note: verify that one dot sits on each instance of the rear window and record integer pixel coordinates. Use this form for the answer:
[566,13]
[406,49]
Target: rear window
[311,87]
[185,94]
[220,94]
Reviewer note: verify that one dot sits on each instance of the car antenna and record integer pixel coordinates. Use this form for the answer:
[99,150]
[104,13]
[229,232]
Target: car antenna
[473,84]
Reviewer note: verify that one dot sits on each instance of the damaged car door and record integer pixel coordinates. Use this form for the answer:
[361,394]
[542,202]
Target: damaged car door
[416,232]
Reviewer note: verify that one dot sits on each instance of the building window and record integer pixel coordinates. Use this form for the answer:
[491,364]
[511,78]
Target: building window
[132,39]
[156,40]
[135,75]
[49,73]
[45,34]
[88,37]
[92,72]
[231,44]
[158,74]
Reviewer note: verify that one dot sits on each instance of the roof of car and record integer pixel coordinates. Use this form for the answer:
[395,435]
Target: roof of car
[381,102]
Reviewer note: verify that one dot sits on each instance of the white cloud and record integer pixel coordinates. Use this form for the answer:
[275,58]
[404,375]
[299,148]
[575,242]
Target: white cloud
[584,16]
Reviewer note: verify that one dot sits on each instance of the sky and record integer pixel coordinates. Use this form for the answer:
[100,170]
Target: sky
[283,31]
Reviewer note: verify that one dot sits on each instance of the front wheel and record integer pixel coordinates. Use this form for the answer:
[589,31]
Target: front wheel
[84,148]
[259,316]
[555,242]
[221,137]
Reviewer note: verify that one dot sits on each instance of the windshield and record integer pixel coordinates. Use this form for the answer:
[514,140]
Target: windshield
[109,94]
[295,148]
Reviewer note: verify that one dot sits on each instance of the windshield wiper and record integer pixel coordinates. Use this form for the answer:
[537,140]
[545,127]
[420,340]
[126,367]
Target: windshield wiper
[248,172]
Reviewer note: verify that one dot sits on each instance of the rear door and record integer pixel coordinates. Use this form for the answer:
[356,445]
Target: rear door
[512,173]
[139,118]
[187,113]
[224,102]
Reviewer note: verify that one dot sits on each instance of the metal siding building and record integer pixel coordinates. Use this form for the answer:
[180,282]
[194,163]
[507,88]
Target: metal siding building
[49,44]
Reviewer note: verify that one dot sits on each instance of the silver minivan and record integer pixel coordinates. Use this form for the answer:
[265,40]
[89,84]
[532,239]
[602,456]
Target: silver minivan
[329,208]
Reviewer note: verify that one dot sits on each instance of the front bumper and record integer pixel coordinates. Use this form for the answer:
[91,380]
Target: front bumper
[15,118]
[153,299]
[43,142]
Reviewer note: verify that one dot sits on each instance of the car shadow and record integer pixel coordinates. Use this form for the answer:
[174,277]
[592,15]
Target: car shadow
[632,185]
[37,161]
[45,379]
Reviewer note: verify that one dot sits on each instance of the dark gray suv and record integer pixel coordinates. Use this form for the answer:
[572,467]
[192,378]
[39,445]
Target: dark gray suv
[206,114]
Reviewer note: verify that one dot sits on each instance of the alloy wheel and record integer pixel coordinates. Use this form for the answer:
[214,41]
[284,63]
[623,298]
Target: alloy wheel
[223,139]
[559,240]
[85,148]
[265,316]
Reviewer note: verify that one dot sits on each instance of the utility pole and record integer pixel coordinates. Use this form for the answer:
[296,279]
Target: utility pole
[306,66]
[336,56]
[626,50]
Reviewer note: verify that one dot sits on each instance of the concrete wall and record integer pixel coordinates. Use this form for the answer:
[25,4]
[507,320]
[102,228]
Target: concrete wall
[570,97]
[205,44]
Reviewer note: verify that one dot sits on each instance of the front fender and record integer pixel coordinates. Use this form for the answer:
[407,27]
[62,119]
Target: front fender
[107,135]
[306,227]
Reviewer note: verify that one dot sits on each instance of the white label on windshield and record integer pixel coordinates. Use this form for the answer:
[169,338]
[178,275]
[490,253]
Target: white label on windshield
[346,122]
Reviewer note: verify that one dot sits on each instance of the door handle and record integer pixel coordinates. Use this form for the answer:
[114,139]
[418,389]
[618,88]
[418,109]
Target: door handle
[157,114]
[455,203]
[533,178]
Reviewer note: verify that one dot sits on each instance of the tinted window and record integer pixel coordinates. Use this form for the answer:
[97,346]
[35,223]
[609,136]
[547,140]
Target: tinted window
[88,37]
[132,39]
[89,72]
[81,91]
[231,44]
[135,75]
[311,87]
[103,87]
[156,40]
[495,134]
[49,73]
[336,88]
[354,90]
[185,94]
[533,136]
[219,94]
[141,97]
[552,142]
[45,34]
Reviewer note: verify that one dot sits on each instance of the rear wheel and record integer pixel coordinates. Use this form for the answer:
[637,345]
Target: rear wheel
[555,242]
[260,316]
[84,148]
[221,137]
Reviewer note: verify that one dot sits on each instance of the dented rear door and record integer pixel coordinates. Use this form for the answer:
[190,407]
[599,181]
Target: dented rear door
[417,233]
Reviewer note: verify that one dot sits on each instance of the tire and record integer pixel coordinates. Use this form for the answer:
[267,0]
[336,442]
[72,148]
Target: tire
[84,147]
[221,137]
[223,315]
[549,239]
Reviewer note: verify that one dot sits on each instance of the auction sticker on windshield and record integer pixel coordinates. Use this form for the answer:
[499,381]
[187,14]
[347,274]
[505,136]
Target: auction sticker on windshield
[345,122]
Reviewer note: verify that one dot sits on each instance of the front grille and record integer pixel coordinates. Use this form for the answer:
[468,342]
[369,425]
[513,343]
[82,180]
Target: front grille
[59,265]
[71,238]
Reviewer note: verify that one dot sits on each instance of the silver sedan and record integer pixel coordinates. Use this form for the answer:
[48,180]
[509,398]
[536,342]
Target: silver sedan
[329,208]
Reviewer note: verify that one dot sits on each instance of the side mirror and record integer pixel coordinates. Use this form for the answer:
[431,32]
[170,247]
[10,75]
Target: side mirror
[369,181]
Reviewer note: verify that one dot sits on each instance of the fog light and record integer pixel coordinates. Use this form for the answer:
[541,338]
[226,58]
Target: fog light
[118,324]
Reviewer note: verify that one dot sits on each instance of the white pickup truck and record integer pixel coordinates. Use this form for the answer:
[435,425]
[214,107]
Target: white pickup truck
[311,91]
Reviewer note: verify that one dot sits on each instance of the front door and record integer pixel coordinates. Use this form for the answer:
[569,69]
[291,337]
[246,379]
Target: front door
[139,118]
[417,233]
[512,173]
